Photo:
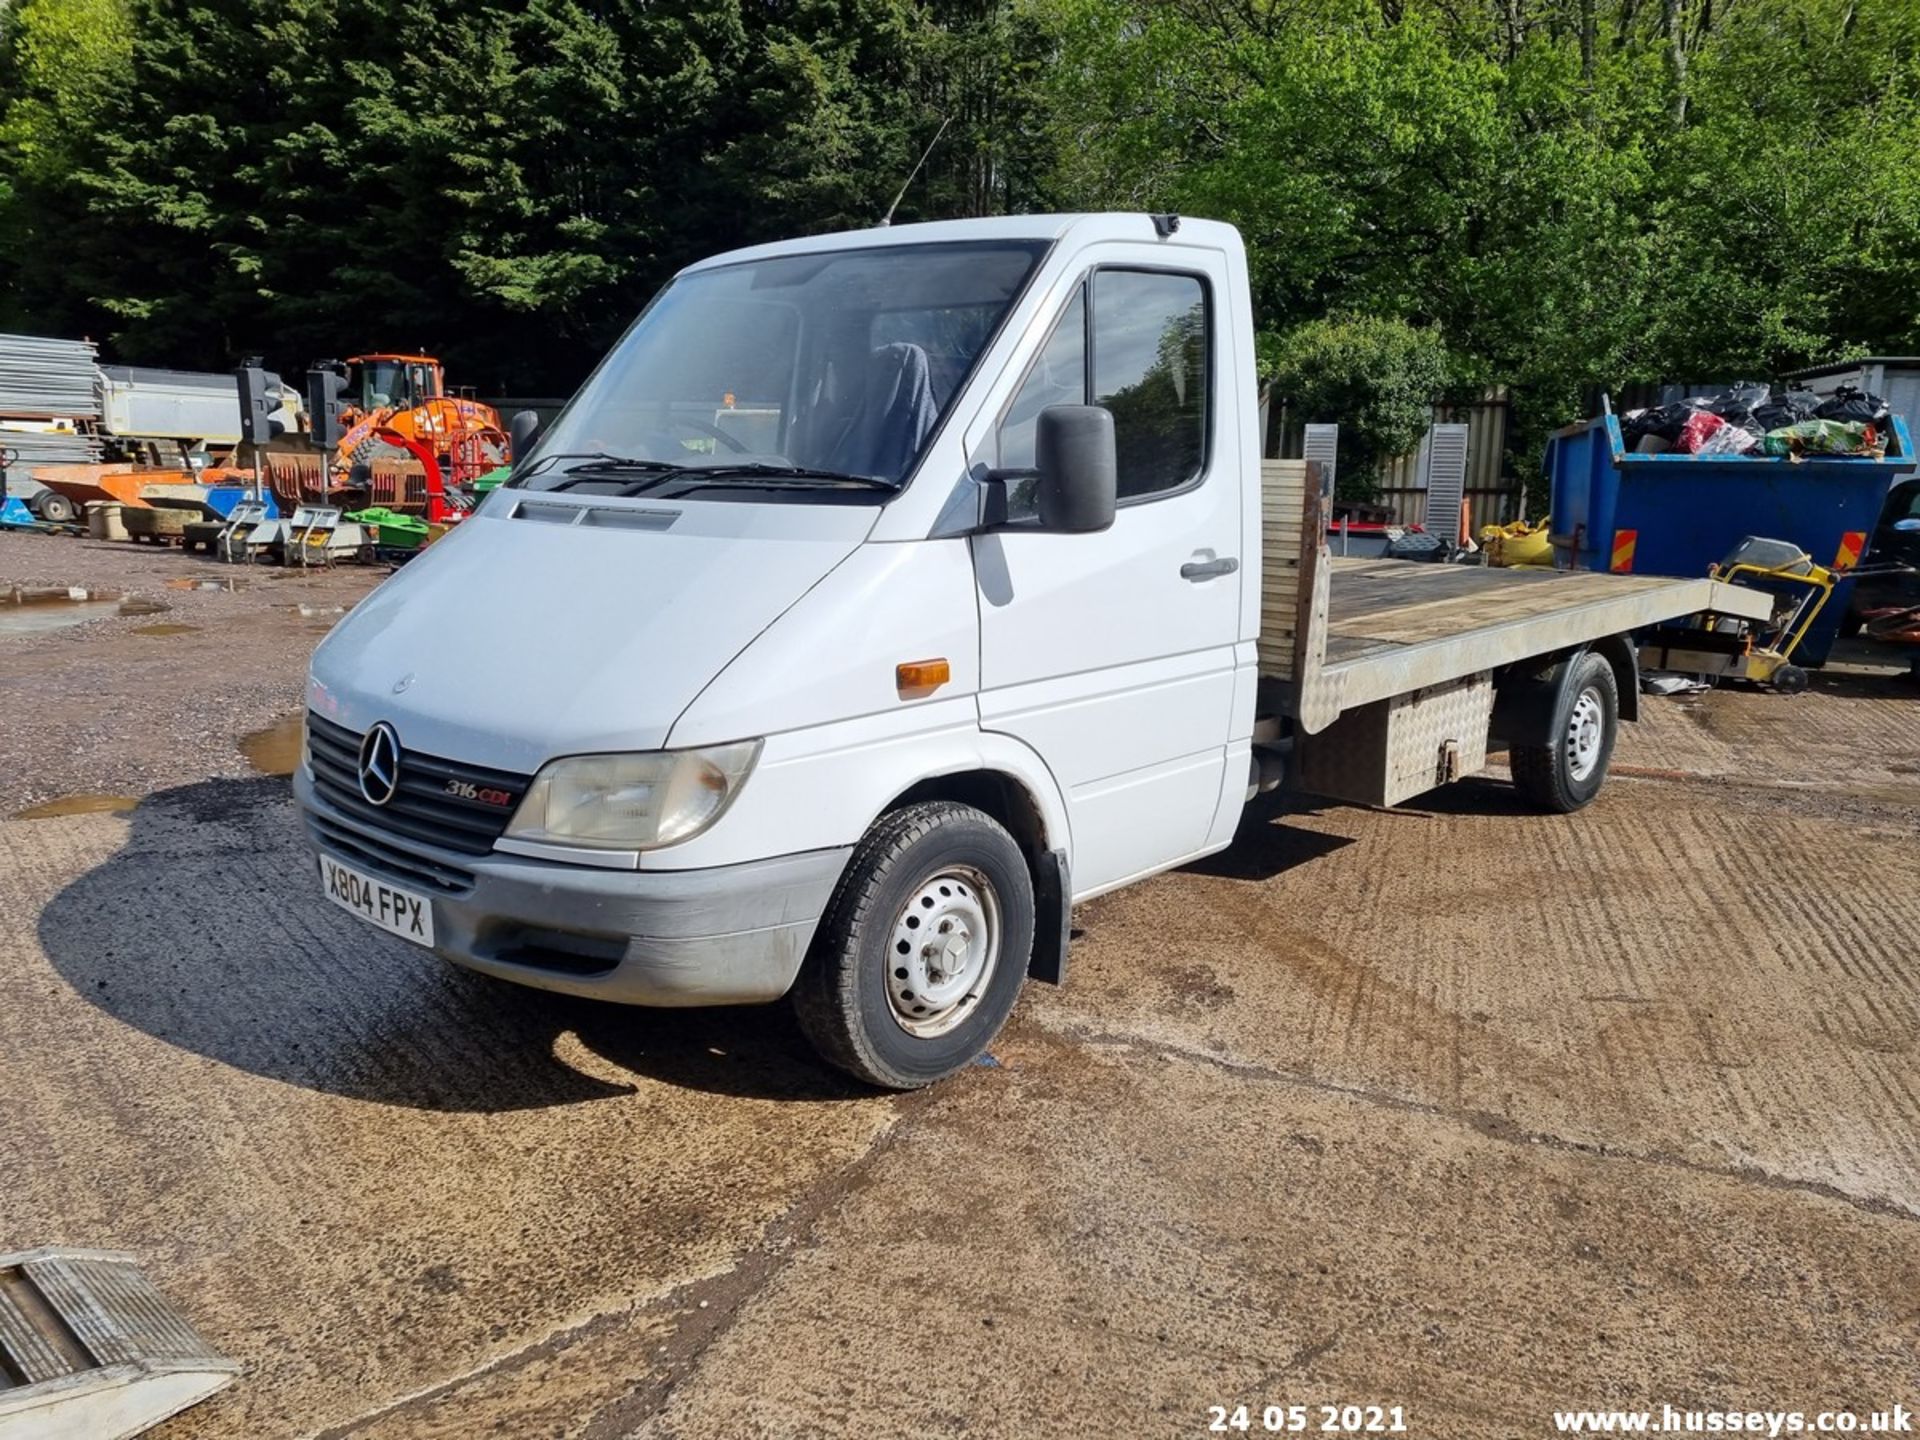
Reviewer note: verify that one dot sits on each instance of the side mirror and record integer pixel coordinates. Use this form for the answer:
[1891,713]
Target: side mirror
[1079,476]
[523,429]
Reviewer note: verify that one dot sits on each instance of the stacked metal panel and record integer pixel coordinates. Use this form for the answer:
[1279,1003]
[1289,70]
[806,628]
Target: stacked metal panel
[29,448]
[44,379]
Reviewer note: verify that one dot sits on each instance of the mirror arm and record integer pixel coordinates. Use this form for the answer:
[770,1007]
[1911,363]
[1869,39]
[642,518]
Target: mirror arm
[993,496]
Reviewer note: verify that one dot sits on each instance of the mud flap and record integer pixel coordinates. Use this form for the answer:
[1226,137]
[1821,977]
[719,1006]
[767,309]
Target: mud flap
[1052,919]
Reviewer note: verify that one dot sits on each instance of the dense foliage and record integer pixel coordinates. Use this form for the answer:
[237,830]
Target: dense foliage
[1566,191]
[1377,375]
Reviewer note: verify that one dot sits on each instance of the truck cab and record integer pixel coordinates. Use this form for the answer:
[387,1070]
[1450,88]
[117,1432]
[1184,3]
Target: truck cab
[393,382]
[880,596]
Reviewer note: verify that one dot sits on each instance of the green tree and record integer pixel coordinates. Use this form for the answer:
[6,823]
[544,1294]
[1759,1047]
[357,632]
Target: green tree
[60,61]
[1377,378]
[1575,196]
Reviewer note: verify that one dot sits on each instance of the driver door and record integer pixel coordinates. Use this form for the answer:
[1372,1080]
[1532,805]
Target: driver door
[1112,654]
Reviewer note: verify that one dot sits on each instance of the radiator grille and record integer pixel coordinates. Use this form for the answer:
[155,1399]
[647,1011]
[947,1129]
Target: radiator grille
[434,803]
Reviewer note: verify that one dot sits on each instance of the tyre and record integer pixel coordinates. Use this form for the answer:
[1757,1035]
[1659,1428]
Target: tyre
[923,947]
[52,507]
[1790,680]
[1566,775]
[360,460]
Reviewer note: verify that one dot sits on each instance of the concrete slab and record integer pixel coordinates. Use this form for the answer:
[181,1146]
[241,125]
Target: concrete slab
[363,1173]
[1457,1107]
[1116,1236]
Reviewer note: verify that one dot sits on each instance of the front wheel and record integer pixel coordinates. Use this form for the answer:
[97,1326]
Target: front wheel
[923,948]
[1565,775]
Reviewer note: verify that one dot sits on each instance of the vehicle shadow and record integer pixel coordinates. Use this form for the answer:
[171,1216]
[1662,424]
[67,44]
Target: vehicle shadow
[1265,846]
[1473,795]
[207,930]
[1858,684]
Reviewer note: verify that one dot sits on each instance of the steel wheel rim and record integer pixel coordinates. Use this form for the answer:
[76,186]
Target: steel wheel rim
[1586,732]
[942,951]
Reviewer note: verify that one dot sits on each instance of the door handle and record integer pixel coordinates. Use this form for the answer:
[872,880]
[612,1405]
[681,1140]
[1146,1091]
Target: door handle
[1198,570]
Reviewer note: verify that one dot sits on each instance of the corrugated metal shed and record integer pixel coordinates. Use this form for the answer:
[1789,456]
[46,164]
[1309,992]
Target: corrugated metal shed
[1894,378]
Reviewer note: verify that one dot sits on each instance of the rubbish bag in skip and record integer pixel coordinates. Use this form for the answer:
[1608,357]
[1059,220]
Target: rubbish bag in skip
[1699,431]
[1662,422]
[1736,405]
[1732,438]
[1789,407]
[1850,404]
[1744,395]
[1825,437]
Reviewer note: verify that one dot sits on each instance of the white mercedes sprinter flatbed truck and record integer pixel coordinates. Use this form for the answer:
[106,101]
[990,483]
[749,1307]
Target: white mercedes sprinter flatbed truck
[880,596]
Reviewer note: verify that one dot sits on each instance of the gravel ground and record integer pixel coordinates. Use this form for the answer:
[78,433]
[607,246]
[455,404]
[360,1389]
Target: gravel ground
[125,704]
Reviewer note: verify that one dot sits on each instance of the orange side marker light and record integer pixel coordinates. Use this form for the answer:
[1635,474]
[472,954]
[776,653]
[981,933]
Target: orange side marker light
[916,679]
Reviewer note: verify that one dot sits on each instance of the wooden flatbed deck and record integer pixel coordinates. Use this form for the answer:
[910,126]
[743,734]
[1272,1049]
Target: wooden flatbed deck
[1397,625]
[1337,633]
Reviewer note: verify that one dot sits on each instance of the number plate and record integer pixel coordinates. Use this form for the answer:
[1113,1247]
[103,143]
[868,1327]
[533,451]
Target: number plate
[398,912]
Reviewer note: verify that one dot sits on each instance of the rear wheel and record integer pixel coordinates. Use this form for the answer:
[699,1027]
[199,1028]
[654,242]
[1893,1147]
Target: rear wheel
[923,948]
[1565,775]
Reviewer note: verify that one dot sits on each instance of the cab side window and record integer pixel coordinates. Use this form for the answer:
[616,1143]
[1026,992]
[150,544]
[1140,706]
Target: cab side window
[1145,356]
[1151,343]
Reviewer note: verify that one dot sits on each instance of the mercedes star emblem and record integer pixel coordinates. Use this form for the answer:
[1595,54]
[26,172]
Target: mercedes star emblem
[380,764]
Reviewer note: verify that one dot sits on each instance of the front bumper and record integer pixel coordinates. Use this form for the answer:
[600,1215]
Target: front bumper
[725,936]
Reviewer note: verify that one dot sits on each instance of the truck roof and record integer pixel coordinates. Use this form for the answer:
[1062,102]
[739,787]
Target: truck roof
[1114,225]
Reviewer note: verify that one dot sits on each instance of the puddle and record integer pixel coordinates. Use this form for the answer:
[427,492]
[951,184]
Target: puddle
[276,749]
[167,630]
[187,582]
[31,611]
[79,805]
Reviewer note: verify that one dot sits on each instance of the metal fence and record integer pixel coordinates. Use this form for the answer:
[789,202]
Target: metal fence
[1486,507]
[1492,497]
[46,379]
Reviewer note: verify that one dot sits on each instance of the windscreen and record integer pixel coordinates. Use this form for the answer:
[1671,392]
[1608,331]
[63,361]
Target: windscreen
[841,362]
[382,383]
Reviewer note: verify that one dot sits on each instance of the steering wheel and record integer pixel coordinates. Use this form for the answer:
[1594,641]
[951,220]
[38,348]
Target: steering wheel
[731,442]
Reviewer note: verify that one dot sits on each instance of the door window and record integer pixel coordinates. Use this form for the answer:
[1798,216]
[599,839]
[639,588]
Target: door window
[1151,337]
[1150,346]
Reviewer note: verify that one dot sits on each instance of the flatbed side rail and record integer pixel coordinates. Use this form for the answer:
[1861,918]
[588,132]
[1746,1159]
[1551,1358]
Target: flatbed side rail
[1587,617]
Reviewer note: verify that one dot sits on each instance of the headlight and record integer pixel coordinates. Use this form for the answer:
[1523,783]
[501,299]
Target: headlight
[632,802]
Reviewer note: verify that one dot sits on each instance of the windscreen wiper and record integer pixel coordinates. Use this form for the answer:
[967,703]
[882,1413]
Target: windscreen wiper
[760,472]
[594,460]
